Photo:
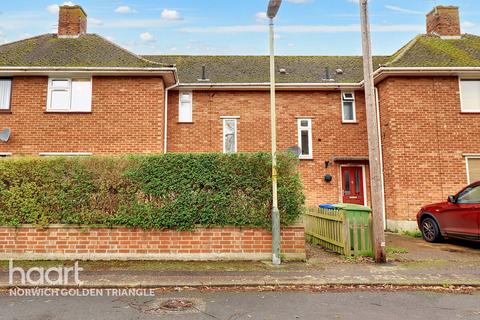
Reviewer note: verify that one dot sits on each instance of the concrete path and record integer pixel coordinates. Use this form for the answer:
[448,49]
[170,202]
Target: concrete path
[392,274]
[249,305]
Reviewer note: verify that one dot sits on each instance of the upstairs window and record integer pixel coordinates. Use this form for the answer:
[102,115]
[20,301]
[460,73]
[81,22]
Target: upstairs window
[305,138]
[470,95]
[69,95]
[348,107]
[229,135]
[185,107]
[5,94]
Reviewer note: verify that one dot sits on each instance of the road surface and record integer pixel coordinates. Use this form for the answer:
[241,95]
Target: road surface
[248,305]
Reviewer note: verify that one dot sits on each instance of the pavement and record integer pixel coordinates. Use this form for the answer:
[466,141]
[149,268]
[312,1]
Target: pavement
[249,305]
[412,262]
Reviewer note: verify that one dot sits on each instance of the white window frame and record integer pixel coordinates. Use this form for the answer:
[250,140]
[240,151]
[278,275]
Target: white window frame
[467,158]
[300,128]
[180,101]
[235,120]
[345,99]
[477,110]
[9,107]
[68,88]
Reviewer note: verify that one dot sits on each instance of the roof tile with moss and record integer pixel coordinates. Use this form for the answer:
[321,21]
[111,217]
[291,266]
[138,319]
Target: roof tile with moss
[433,51]
[255,69]
[89,50]
[423,51]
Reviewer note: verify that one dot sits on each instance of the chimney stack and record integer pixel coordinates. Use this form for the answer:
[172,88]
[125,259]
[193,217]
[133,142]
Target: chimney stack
[72,22]
[444,22]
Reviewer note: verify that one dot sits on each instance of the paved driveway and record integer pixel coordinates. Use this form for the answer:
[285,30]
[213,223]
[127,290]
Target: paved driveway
[420,250]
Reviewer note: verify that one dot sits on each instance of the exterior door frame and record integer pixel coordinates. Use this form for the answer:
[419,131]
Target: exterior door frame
[365,200]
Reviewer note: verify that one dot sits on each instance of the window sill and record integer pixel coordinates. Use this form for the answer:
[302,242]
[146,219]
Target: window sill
[65,154]
[68,112]
[350,122]
[191,122]
[306,158]
[470,112]
[5,111]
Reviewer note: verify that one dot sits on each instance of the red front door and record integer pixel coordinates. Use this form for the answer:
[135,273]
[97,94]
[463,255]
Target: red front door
[352,185]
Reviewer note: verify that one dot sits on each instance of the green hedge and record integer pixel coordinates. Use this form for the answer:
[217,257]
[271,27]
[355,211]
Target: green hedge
[168,191]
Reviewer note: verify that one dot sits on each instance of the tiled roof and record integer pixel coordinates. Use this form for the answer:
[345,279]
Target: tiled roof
[433,51]
[89,50]
[423,51]
[255,69]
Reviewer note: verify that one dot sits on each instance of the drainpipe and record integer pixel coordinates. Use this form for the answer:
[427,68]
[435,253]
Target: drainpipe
[165,133]
[381,157]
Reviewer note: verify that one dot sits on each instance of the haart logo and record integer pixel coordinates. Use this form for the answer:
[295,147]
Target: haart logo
[55,276]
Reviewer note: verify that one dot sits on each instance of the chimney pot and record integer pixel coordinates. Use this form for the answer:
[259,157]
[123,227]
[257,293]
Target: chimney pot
[444,21]
[72,21]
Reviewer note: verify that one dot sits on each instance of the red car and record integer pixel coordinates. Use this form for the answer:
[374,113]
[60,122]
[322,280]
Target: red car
[459,217]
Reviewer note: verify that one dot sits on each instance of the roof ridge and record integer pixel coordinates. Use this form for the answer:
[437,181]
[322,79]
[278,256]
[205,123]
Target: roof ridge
[130,52]
[403,51]
[470,35]
[257,56]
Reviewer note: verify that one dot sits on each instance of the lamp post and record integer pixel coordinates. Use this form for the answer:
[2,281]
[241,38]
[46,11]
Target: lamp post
[273,7]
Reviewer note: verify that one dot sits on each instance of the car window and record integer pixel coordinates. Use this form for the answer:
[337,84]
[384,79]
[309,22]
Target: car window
[470,195]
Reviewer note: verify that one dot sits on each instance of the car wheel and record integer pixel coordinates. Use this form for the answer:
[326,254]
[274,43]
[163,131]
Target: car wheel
[430,230]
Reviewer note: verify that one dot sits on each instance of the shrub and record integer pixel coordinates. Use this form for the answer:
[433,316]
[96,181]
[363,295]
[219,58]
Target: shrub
[166,191]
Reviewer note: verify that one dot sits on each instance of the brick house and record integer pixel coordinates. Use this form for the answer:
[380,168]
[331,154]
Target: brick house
[75,93]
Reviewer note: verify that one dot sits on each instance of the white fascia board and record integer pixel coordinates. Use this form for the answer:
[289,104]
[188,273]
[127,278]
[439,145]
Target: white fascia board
[86,70]
[383,72]
[266,86]
[169,74]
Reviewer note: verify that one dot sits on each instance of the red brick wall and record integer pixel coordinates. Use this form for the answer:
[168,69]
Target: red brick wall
[424,137]
[127,117]
[63,242]
[330,136]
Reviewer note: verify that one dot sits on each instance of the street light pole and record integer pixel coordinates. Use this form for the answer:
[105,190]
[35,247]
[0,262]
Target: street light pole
[273,7]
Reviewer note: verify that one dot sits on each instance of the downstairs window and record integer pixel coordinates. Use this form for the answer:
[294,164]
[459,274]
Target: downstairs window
[69,95]
[473,169]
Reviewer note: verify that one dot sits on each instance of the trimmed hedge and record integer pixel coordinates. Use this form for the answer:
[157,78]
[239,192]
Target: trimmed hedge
[152,192]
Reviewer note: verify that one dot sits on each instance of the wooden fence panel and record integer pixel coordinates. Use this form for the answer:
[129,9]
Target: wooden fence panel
[325,227]
[332,229]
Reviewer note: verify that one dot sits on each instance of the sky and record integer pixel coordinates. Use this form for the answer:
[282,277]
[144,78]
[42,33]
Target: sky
[236,27]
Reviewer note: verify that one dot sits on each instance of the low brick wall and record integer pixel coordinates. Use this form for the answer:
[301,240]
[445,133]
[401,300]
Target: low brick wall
[61,242]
